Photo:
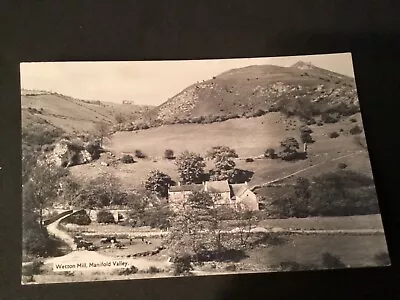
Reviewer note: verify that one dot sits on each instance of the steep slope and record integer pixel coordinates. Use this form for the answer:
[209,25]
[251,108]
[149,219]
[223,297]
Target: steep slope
[301,89]
[70,114]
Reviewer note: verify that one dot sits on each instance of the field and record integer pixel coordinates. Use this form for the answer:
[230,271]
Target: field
[355,251]
[327,223]
[249,137]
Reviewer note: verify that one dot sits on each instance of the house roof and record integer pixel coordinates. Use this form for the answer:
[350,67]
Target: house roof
[187,188]
[239,189]
[217,186]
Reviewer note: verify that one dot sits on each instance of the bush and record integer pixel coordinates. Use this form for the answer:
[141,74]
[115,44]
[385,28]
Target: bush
[140,154]
[169,154]
[32,269]
[306,137]
[153,270]
[79,218]
[182,265]
[320,123]
[333,135]
[338,193]
[353,120]
[270,153]
[355,130]
[231,268]
[128,271]
[305,129]
[94,149]
[342,166]
[35,240]
[331,261]
[127,159]
[105,216]
[329,118]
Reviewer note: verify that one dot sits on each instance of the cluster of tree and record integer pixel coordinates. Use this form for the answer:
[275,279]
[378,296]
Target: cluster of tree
[150,211]
[288,150]
[158,183]
[105,190]
[198,231]
[40,187]
[305,134]
[190,167]
[307,110]
[224,165]
[339,193]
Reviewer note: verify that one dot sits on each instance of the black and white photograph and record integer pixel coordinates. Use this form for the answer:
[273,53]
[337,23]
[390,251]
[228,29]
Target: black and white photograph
[151,169]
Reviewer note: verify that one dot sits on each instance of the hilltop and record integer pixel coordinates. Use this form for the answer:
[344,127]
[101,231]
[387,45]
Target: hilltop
[301,89]
[57,111]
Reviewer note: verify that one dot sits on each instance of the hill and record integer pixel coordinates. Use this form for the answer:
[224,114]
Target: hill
[68,114]
[249,137]
[301,89]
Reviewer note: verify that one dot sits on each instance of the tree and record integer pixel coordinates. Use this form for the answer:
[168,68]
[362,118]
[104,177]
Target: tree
[223,161]
[105,216]
[305,134]
[169,154]
[221,151]
[270,153]
[102,131]
[34,236]
[127,159]
[43,186]
[289,147]
[306,137]
[158,182]
[224,169]
[189,228]
[102,191]
[333,135]
[190,167]
[140,154]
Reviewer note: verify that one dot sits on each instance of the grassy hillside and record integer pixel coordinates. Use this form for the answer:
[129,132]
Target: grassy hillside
[249,137]
[301,89]
[72,115]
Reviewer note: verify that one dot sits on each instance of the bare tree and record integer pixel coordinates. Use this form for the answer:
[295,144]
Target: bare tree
[102,131]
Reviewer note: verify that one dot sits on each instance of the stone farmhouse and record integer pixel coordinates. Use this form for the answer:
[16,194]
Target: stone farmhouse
[234,195]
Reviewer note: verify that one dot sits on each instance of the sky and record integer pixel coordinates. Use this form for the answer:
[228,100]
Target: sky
[149,82]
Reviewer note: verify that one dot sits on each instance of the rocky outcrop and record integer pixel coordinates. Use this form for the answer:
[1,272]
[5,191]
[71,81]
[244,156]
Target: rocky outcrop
[69,153]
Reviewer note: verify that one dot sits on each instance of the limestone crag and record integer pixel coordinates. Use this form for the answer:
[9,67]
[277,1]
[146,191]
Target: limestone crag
[67,154]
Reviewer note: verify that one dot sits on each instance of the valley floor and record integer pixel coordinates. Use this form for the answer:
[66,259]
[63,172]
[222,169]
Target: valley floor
[356,240]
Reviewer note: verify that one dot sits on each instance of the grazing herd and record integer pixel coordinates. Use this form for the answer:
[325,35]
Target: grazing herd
[82,244]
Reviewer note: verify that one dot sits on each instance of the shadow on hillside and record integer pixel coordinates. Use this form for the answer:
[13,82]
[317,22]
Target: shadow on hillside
[243,176]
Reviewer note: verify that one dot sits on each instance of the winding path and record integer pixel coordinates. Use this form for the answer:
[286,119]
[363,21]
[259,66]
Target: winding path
[60,234]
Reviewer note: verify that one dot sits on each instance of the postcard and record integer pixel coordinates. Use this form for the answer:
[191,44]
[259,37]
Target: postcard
[149,169]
